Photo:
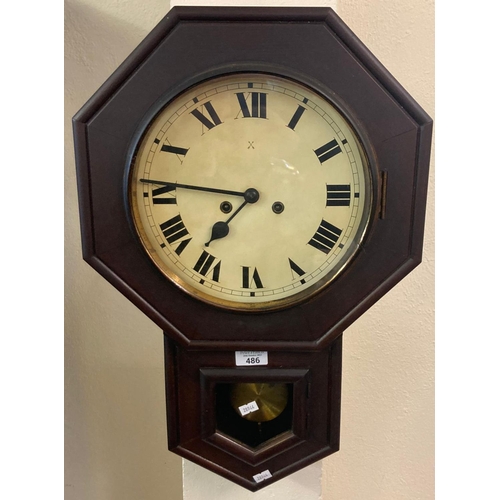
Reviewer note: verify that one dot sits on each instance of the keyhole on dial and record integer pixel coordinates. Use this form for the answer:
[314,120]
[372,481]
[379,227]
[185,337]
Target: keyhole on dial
[278,207]
[226,207]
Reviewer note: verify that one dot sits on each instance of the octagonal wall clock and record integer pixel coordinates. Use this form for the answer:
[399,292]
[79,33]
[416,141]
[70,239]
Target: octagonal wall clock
[253,180]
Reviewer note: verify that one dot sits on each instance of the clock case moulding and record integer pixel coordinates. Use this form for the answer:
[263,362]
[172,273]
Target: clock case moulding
[314,47]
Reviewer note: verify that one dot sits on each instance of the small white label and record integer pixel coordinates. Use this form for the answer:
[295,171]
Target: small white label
[248,408]
[262,476]
[251,358]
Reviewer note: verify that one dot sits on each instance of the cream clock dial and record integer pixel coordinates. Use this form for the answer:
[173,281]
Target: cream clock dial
[250,191]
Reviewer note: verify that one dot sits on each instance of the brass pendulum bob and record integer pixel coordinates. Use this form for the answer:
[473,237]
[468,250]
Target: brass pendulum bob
[270,399]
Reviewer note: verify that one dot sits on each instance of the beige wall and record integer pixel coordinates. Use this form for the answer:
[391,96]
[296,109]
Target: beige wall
[115,407]
[387,433]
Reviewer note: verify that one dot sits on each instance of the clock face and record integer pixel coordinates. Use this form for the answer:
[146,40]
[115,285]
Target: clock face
[250,191]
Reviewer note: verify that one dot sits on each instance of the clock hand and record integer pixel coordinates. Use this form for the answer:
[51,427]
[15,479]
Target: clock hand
[221,229]
[196,188]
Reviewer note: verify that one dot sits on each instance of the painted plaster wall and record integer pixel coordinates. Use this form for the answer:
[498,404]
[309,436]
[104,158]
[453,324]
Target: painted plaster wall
[387,432]
[115,435]
[115,407]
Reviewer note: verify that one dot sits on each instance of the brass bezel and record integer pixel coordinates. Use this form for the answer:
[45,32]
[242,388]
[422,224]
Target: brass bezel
[301,295]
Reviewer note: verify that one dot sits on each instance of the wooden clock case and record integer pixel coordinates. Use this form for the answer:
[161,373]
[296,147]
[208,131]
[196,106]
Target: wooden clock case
[313,46]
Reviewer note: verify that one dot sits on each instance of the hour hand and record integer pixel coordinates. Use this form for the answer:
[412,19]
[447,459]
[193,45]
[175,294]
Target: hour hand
[177,185]
[221,229]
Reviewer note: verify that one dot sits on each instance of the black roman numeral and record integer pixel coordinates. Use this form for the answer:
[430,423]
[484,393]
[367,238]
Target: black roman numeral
[297,270]
[338,195]
[210,124]
[258,101]
[251,282]
[296,117]
[205,264]
[167,148]
[325,237]
[329,150]
[170,200]
[174,232]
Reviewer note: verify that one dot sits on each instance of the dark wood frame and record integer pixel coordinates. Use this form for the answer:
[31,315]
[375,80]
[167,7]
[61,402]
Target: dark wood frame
[210,377]
[313,45]
[190,376]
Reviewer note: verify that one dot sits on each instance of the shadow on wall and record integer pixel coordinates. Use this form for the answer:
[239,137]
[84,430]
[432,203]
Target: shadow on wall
[115,425]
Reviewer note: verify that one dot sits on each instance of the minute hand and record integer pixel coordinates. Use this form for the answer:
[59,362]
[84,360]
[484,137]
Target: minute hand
[196,188]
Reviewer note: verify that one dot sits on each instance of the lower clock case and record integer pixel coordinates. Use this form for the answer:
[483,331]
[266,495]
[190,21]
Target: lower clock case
[253,421]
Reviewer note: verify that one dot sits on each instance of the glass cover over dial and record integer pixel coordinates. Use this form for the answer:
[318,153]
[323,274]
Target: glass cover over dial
[250,191]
